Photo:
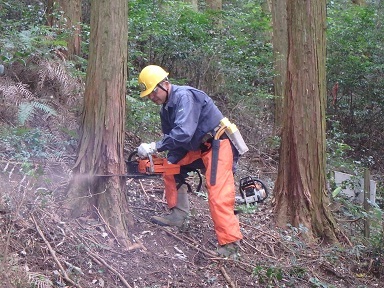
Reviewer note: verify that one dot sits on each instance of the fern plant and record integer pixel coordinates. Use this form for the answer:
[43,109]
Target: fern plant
[28,109]
[39,280]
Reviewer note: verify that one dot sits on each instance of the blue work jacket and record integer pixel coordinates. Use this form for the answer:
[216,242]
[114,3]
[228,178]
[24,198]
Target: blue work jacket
[187,116]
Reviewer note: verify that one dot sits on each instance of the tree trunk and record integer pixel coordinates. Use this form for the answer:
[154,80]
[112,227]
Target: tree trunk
[280,45]
[102,136]
[70,20]
[72,15]
[359,2]
[300,190]
[194,4]
[217,6]
[266,5]
[49,12]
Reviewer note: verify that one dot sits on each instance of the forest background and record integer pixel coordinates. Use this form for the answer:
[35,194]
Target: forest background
[233,62]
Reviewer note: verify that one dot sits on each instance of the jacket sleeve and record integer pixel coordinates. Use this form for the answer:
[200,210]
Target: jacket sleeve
[187,112]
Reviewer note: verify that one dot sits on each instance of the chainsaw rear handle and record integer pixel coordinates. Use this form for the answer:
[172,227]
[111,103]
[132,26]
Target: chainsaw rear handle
[248,189]
[138,165]
[132,165]
[133,153]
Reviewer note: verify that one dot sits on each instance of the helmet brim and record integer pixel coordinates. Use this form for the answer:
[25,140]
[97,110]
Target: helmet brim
[145,93]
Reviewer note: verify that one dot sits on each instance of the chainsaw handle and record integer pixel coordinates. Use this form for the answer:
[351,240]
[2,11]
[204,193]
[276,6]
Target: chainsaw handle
[248,188]
[133,153]
[151,164]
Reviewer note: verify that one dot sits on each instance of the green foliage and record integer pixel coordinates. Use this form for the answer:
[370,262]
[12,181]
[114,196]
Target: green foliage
[268,275]
[337,158]
[85,35]
[247,209]
[237,54]
[231,60]
[336,191]
[156,30]
[20,15]
[338,152]
[24,34]
[377,249]
[27,110]
[20,45]
[355,60]
[247,50]
[351,210]
[371,247]
[39,280]
[191,45]
[293,235]
[24,144]
[143,118]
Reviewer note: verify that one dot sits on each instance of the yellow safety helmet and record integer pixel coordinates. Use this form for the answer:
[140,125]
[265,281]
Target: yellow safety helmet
[149,77]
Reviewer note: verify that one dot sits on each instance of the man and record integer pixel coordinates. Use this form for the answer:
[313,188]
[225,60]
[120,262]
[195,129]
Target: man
[189,120]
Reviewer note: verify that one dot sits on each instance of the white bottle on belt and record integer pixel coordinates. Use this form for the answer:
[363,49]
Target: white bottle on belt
[234,135]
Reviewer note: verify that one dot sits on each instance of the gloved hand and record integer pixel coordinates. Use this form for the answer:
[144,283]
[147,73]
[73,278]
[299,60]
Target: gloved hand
[145,149]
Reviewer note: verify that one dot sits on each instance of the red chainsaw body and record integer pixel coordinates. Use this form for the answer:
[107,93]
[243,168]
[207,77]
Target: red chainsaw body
[157,165]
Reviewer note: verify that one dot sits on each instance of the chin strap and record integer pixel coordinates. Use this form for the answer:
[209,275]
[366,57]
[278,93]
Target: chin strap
[165,90]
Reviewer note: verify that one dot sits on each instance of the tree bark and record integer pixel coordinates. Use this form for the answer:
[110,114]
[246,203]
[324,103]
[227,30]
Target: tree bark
[72,15]
[300,190]
[280,45]
[359,2]
[70,20]
[217,6]
[49,12]
[194,4]
[102,134]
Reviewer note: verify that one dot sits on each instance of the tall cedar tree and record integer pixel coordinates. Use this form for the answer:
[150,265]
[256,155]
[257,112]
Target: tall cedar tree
[280,45]
[102,136]
[300,189]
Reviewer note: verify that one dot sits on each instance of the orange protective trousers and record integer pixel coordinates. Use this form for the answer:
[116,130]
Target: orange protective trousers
[221,196]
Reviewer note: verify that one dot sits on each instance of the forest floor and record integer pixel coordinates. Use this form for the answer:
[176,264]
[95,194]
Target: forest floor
[40,248]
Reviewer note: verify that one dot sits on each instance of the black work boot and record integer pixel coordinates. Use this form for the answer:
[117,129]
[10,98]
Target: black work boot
[230,250]
[179,213]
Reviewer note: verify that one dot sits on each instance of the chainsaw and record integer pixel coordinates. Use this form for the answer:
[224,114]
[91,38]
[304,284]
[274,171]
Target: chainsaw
[152,166]
[252,191]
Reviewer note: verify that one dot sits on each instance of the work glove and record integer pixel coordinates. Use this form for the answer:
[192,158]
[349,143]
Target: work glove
[145,149]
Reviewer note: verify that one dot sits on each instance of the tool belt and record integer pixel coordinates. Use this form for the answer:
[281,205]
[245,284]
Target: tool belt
[207,138]
[225,130]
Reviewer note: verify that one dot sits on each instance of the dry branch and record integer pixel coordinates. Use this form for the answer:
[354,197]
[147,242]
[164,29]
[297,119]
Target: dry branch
[95,257]
[53,253]
[226,276]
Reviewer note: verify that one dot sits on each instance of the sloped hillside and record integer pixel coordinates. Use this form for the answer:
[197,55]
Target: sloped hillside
[40,105]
